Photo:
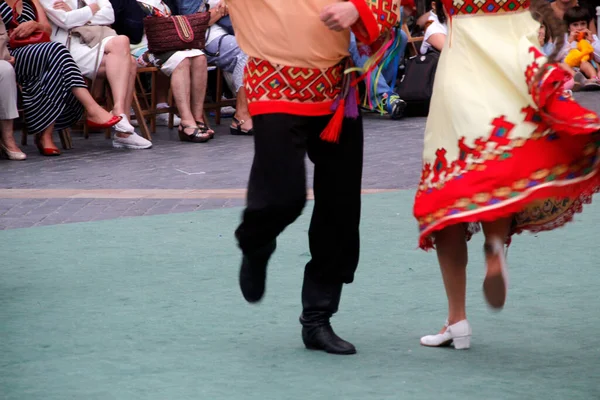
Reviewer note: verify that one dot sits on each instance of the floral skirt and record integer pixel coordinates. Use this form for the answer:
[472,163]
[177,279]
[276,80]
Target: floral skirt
[496,143]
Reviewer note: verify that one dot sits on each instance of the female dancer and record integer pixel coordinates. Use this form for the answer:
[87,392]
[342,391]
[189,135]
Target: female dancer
[504,147]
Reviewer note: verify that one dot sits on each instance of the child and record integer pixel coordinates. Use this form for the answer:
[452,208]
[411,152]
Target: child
[577,20]
[547,46]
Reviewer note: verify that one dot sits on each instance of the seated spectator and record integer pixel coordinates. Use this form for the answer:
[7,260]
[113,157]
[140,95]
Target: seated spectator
[436,28]
[548,48]
[545,40]
[53,90]
[223,51]
[109,58]
[561,6]
[8,101]
[188,70]
[389,100]
[577,20]
[129,21]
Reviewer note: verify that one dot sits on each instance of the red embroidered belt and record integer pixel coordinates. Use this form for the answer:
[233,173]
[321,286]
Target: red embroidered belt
[273,88]
[470,7]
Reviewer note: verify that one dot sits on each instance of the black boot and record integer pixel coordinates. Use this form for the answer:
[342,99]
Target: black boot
[253,272]
[319,302]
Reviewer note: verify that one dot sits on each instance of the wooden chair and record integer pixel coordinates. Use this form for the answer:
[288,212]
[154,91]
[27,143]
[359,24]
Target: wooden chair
[412,47]
[148,102]
[217,104]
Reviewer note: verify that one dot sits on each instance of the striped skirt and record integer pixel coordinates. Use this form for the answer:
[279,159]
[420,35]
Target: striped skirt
[47,74]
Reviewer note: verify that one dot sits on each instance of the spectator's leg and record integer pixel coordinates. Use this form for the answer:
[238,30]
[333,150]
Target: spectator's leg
[588,70]
[181,85]
[359,60]
[232,59]
[8,106]
[45,138]
[119,69]
[162,89]
[394,104]
[199,81]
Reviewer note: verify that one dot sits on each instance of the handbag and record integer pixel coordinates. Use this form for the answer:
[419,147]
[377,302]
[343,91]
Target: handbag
[416,85]
[37,36]
[177,32]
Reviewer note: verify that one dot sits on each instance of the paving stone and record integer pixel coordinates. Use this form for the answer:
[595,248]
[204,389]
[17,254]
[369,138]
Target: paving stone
[392,160]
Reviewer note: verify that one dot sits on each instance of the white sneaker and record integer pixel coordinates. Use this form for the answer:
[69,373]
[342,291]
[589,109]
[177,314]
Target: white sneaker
[123,125]
[458,334]
[132,141]
[162,120]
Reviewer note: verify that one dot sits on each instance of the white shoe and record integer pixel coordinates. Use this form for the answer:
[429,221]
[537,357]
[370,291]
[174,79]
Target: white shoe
[458,334]
[162,120]
[123,125]
[495,285]
[132,141]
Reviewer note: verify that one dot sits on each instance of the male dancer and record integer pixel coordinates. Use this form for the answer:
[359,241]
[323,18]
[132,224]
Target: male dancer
[294,82]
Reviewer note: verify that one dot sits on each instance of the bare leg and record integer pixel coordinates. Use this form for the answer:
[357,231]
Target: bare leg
[495,284]
[95,112]
[451,247]
[8,139]
[117,67]
[180,84]
[588,70]
[131,88]
[199,72]
[162,88]
[46,137]
[241,109]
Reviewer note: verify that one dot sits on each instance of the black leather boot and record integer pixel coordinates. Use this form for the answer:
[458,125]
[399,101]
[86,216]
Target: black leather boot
[319,302]
[253,272]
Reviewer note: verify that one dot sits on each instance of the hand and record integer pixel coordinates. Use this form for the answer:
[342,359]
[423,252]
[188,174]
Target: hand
[24,30]
[61,5]
[222,7]
[94,7]
[588,35]
[339,16]
[11,61]
[572,36]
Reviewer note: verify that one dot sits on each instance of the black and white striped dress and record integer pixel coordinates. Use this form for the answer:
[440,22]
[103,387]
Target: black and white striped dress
[47,74]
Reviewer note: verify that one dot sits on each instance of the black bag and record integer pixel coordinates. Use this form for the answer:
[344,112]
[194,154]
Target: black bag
[416,85]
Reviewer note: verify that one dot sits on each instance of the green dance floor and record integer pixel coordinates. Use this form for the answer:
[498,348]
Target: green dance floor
[149,308]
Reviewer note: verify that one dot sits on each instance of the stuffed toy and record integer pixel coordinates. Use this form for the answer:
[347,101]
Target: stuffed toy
[581,53]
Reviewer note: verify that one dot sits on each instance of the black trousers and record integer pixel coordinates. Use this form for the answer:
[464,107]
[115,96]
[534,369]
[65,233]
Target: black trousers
[277,191]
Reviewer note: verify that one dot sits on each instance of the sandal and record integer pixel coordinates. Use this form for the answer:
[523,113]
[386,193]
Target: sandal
[199,136]
[237,130]
[202,125]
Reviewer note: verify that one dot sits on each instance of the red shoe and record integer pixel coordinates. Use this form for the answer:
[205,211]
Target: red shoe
[46,151]
[111,122]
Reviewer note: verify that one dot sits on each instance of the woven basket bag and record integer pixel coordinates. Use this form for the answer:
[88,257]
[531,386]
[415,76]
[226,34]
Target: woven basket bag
[179,32]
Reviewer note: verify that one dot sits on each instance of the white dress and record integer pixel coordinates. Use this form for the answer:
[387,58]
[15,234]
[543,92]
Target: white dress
[87,59]
[138,50]
[497,144]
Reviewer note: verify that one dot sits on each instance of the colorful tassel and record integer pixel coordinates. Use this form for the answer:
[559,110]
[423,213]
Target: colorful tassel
[351,109]
[373,67]
[332,131]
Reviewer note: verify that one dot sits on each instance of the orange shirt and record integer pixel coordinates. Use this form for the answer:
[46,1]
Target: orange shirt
[294,61]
